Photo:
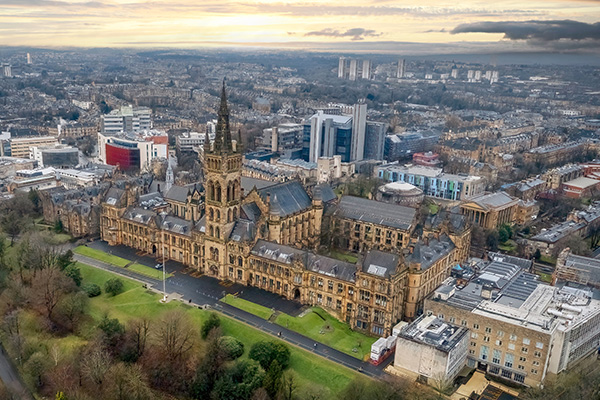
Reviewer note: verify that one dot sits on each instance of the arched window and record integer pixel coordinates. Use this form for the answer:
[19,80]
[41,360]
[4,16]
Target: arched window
[210,188]
[229,215]
[231,259]
[216,254]
[217,232]
[240,261]
[210,231]
[211,214]
[218,215]
[229,198]
[235,212]
[218,192]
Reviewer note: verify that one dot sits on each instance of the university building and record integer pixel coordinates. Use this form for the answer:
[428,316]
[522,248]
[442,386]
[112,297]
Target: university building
[265,234]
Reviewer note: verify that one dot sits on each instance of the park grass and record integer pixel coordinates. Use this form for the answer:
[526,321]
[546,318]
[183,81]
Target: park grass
[248,306]
[135,301]
[343,256]
[329,331]
[120,262]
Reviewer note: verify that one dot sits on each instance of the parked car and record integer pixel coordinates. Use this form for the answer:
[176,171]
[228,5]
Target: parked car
[158,266]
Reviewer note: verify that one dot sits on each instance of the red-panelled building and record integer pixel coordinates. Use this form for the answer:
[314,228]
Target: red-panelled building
[125,157]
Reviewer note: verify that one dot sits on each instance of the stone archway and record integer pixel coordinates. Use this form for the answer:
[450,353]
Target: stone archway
[213,270]
[297,294]
[153,249]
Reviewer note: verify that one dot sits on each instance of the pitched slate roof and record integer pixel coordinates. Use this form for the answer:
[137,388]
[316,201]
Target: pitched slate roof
[320,264]
[177,193]
[243,230]
[251,211]
[114,196]
[428,253]
[325,192]
[380,263]
[249,183]
[376,212]
[331,267]
[286,198]
[176,225]
[140,215]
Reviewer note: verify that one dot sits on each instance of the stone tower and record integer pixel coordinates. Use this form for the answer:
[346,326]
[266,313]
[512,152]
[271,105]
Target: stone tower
[222,177]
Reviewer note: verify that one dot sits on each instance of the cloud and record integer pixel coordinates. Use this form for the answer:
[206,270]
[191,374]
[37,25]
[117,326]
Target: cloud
[354,33]
[536,31]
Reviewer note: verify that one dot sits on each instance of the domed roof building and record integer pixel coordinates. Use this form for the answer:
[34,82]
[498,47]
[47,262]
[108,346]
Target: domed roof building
[401,193]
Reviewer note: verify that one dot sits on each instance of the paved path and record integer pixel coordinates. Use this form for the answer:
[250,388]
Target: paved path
[10,376]
[200,294]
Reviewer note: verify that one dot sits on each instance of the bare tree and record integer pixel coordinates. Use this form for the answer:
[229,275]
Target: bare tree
[72,307]
[48,288]
[175,334]
[139,329]
[95,363]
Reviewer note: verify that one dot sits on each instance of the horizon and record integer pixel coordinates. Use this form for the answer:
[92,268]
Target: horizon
[557,26]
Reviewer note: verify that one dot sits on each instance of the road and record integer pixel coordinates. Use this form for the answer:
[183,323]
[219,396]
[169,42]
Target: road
[205,291]
[10,376]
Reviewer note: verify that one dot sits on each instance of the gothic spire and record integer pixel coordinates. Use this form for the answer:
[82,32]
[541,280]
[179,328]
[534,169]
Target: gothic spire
[223,133]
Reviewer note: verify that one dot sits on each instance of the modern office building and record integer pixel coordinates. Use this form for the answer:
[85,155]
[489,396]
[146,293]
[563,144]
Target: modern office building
[520,329]
[21,147]
[55,156]
[432,181]
[282,137]
[326,135]
[375,140]
[431,349]
[127,119]
[132,151]
[404,145]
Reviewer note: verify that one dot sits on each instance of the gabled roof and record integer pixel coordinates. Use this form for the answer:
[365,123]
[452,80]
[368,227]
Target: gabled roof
[428,252]
[176,225]
[376,212]
[140,215]
[177,193]
[249,183]
[380,263]
[286,198]
[331,267]
[243,230]
[325,192]
[251,211]
[115,196]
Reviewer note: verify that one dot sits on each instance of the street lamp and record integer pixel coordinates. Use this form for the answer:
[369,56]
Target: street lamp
[163,214]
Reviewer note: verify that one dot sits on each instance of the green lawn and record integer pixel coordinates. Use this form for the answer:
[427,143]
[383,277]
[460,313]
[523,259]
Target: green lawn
[330,331]
[136,301]
[509,246]
[342,256]
[119,262]
[545,277]
[547,260]
[248,306]
[100,255]
[433,208]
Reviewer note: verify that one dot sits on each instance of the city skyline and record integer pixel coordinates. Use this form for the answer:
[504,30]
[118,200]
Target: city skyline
[437,27]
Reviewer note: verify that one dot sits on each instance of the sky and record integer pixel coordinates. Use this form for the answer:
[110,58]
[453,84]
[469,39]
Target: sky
[429,26]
